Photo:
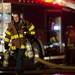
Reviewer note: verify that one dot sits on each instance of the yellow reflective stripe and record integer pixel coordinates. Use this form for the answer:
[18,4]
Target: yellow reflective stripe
[7,32]
[32,27]
[6,40]
[13,47]
[32,32]
[12,37]
[22,46]
[16,36]
[21,35]
[10,44]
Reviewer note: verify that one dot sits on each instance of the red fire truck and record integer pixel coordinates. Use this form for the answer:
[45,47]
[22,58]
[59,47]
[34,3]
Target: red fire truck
[51,20]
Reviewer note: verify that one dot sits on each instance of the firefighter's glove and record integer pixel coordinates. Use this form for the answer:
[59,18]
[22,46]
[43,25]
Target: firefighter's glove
[5,63]
[11,52]
[29,54]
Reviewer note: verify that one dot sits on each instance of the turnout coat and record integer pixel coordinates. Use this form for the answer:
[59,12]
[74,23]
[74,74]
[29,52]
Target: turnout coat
[15,37]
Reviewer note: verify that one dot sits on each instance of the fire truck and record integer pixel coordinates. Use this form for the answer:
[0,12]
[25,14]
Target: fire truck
[51,19]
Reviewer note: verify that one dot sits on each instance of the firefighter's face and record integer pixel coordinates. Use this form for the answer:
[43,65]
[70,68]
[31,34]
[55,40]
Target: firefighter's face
[16,18]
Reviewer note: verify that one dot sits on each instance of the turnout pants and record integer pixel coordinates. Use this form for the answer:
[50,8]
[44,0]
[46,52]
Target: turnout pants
[19,54]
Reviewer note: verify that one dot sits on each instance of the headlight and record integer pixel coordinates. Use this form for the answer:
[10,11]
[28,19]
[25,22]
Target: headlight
[0,57]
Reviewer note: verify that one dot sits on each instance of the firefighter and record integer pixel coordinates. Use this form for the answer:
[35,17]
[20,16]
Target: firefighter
[14,38]
[53,38]
[70,45]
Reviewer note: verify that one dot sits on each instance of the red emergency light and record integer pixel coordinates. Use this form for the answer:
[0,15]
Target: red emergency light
[48,1]
[45,2]
[56,3]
